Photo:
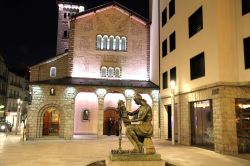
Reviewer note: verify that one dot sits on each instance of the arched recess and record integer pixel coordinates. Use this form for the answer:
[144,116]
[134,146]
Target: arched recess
[40,120]
[86,101]
[110,105]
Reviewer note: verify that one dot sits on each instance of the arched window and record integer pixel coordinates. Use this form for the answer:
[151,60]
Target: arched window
[53,72]
[117,72]
[111,43]
[98,42]
[123,44]
[105,42]
[110,72]
[103,71]
[117,43]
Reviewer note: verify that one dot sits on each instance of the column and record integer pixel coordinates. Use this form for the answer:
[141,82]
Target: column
[100,95]
[155,110]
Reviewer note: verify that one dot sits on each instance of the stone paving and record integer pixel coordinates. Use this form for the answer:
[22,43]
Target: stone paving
[13,152]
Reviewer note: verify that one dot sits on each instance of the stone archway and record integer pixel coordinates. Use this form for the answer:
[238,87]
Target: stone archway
[50,121]
[110,113]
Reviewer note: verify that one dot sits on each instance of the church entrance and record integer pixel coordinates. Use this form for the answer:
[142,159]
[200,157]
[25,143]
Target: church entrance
[110,117]
[51,122]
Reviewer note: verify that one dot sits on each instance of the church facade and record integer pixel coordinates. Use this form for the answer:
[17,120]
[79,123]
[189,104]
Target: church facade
[107,59]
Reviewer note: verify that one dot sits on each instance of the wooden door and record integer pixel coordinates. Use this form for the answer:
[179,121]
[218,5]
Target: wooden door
[46,124]
[109,113]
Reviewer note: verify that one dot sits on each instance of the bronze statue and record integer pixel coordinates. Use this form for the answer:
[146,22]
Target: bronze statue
[140,133]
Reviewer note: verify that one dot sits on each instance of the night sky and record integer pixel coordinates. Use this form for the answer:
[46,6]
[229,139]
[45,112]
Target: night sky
[29,27]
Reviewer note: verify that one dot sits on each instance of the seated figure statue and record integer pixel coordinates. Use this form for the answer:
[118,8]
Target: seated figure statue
[143,129]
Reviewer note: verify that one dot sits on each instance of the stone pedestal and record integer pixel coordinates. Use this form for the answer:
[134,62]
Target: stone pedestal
[135,160]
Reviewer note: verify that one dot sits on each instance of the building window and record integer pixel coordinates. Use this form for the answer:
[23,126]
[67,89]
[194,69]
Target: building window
[123,44]
[111,43]
[110,72]
[103,71]
[117,72]
[105,42]
[164,17]
[195,22]
[53,72]
[98,42]
[65,34]
[68,14]
[165,80]
[245,6]
[197,66]
[172,42]
[171,8]
[65,15]
[117,43]
[85,114]
[164,48]
[66,50]
[173,74]
[246,42]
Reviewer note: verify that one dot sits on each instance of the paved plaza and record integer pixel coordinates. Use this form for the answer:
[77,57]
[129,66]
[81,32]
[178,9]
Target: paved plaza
[13,152]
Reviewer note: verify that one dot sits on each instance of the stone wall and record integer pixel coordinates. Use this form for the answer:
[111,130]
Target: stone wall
[224,118]
[87,60]
[42,71]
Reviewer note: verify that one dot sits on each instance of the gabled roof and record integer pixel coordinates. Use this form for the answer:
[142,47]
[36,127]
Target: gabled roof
[97,82]
[50,60]
[115,5]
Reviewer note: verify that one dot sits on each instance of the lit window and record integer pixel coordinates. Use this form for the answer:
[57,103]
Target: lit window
[98,42]
[111,43]
[117,43]
[53,72]
[105,42]
[123,44]
[103,71]
[117,72]
[110,72]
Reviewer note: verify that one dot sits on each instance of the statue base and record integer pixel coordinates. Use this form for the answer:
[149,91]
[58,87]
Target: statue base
[133,159]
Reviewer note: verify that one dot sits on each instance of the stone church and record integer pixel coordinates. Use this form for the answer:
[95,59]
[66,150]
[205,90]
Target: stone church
[103,55]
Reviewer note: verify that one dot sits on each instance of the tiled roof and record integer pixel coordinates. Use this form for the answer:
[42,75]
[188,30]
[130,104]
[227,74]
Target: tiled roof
[98,82]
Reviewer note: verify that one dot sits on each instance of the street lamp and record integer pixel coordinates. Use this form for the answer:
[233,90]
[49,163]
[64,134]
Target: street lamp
[172,86]
[19,102]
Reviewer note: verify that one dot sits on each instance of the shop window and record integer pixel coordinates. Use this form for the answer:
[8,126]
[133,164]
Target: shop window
[201,119]
[53,72]
[164,48]
[172,42]
[242,112]
[171,8]
[195,22]
[173,74]
[245,6]
[197,66]
[246,43]
[165,80]
[164,17]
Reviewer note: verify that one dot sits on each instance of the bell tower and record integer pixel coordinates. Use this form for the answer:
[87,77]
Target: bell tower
[65,11]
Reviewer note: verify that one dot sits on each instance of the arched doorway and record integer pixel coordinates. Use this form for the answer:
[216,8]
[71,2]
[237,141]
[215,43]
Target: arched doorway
[113,114]
[51,122]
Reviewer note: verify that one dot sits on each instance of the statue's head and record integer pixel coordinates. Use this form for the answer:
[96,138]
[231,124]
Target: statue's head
[137,98]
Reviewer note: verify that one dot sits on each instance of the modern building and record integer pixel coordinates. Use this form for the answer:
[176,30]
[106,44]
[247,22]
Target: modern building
[205,49]
[108,59]
[18,88]
[3,87]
